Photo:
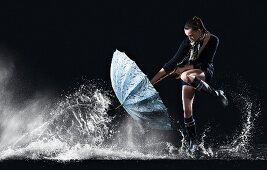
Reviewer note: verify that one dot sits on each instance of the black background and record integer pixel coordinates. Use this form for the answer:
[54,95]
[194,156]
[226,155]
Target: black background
[53,44]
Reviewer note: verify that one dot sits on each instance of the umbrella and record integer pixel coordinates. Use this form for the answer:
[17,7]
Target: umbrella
[136,94]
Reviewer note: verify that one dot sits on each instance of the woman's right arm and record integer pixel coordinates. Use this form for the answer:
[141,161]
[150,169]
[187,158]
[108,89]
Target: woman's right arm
[160,74]
[172,63]
[179,56]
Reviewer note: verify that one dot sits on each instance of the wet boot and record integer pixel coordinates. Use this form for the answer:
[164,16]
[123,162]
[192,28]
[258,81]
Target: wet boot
[201,85]
[185,140]
[191,132]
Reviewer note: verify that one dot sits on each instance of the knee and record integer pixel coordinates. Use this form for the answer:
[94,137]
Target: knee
[184,77]
[187,78]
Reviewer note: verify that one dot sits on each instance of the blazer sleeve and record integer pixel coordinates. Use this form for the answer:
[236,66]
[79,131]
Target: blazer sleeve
[179,56]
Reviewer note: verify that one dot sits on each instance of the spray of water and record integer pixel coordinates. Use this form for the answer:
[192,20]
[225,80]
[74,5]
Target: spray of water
[80,118]
[77,126]
[240,145]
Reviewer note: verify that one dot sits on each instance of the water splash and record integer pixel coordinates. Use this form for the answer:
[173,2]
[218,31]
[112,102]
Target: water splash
[207,151]
[240,146]
[77,126]
[79,118]
[82,117]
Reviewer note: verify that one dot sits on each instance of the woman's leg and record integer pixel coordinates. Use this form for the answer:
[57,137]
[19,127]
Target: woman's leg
[196,78]
[188,93]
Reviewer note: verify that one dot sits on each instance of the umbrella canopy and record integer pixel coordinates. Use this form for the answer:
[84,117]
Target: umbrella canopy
[136,94]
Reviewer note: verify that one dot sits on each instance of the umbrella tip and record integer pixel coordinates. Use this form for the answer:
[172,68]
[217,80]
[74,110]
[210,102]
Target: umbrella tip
[117,51]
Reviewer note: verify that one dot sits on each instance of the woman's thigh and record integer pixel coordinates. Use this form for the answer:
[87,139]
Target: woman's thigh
[189,75]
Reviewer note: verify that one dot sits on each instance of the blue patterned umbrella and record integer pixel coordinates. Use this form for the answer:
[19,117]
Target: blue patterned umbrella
[136,94]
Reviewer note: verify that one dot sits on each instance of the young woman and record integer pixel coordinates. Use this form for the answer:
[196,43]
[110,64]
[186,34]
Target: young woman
[195,68]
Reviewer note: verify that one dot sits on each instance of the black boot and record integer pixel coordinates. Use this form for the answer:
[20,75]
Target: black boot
[201,85]
[185,140]
[193,144]
[191,131]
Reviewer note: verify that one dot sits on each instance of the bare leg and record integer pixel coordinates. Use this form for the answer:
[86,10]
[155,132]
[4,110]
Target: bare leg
[188,93]
[196,78]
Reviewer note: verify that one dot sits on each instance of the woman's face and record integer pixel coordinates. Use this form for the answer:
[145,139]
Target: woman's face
[192,35]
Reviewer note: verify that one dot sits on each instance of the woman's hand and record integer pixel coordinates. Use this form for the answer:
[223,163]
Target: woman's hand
[161,73]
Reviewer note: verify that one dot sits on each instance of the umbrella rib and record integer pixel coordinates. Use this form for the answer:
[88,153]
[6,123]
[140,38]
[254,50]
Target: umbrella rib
[133,89]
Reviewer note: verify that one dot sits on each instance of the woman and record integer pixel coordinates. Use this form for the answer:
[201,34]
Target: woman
[195,69]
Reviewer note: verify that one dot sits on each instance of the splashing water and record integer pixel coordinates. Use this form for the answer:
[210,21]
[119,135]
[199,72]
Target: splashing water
[240,146]
[82,117]
[79,127]
[79,119]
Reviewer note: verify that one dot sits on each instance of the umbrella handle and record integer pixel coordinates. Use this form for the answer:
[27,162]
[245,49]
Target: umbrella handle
[118,107]
[163,77]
